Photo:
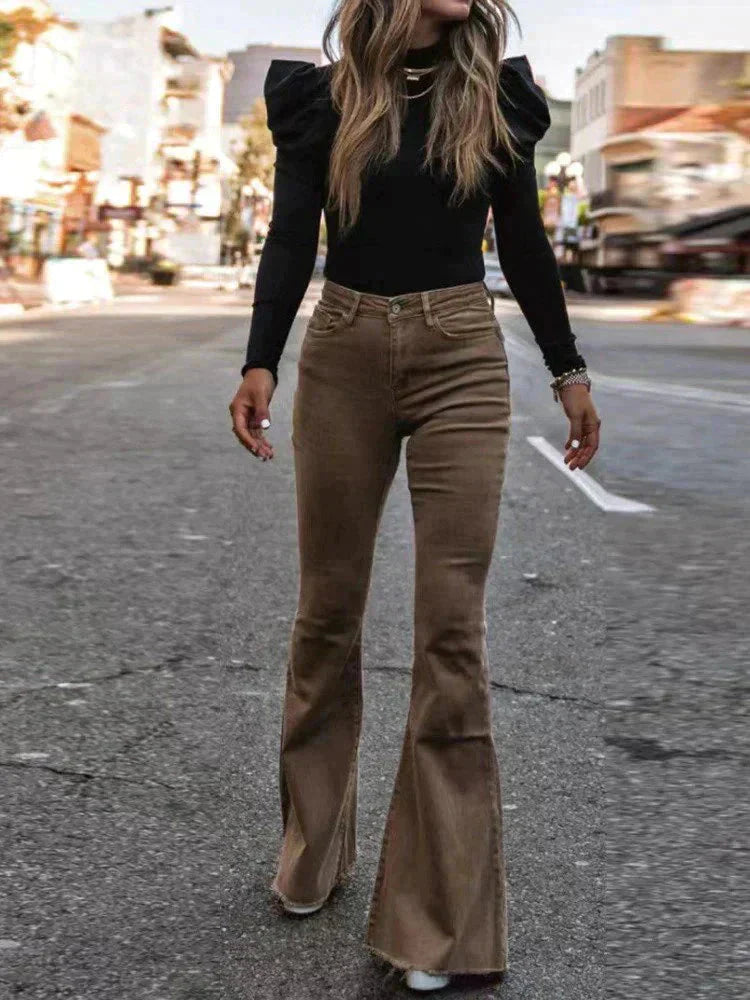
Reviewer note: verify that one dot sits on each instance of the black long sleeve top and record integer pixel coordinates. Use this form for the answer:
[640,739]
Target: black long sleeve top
[407,238]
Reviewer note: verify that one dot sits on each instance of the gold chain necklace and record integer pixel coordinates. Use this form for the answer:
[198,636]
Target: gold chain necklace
[416,74]
[411,97]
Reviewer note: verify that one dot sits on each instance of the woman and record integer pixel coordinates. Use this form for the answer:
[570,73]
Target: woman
[405,141]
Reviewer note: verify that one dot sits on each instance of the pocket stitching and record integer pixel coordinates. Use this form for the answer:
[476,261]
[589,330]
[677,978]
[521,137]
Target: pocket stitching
[492,328]
[335,321]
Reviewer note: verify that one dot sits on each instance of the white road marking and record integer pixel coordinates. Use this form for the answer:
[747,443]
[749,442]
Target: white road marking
[681,393]
[638,386]
[610,502]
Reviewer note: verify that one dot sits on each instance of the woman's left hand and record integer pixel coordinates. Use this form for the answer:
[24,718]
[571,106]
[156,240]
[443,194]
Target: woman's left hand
[584,425]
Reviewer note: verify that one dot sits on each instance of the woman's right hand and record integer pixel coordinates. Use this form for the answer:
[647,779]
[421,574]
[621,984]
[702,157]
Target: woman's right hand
[249,410]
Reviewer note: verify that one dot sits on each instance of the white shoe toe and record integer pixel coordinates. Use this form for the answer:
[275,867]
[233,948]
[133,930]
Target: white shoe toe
[302,909]
[417,980]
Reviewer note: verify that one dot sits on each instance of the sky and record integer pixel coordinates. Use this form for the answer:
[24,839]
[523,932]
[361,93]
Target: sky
[557,36]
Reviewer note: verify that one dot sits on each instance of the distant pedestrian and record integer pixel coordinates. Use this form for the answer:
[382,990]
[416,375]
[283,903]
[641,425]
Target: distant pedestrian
[88,249]
[403,343]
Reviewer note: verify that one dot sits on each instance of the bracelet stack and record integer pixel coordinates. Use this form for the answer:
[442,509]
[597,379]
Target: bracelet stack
[576,376]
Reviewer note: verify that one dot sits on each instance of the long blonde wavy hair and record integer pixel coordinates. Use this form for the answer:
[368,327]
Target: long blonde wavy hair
[368,92]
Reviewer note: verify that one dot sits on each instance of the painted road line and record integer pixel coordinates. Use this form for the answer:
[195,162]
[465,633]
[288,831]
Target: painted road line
[645,387]
[681,393]
[610,502]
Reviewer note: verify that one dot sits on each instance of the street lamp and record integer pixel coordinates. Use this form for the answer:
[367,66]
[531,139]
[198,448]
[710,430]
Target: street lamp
[563,169]
[561,205]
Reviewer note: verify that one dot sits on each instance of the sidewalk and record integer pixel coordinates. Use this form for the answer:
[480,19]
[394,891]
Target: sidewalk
[30,293]
[26,295]
[617,308]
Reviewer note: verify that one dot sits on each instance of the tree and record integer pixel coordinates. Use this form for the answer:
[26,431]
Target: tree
[255,161]
[16,26]
[257,156]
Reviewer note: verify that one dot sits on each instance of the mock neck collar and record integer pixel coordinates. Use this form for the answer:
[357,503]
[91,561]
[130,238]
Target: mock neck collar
[427,55]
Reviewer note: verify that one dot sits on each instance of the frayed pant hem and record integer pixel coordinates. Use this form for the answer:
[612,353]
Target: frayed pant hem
[401,963]
[343,876]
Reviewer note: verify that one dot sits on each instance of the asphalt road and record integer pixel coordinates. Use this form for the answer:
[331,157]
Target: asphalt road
[148,592]
[675,407]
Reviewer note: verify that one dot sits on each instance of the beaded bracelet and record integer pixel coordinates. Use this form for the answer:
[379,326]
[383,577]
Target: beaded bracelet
[576,376]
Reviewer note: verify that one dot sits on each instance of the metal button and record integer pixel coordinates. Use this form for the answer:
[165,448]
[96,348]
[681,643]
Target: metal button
[396,307]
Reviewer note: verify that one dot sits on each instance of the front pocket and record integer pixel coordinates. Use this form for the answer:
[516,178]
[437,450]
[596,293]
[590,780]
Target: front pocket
[325,319]
[466,324]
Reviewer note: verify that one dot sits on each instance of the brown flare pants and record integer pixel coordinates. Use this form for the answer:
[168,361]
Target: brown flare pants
[429,366]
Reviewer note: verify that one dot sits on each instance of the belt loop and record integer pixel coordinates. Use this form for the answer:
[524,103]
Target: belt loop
[491,296]
[427,309]
[353,309]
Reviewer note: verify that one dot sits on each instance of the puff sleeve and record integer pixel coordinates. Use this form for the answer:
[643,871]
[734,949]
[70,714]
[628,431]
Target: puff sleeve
[526,257]
[299,120]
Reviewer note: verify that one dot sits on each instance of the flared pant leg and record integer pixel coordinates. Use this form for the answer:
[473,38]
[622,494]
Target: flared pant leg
[439,898]
[346,453]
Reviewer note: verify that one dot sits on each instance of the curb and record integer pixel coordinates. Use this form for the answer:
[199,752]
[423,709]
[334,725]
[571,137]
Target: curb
[11,310]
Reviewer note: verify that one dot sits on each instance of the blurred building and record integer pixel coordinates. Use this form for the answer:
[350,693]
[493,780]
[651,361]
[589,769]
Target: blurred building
[163,174]
[635,81]
[249,68]
[49,150]
[664,135]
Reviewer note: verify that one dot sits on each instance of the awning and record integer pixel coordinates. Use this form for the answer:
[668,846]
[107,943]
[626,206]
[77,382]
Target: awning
[633,239]
[714,225]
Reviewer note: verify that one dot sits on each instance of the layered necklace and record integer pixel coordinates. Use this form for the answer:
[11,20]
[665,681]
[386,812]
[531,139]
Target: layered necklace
[416,73]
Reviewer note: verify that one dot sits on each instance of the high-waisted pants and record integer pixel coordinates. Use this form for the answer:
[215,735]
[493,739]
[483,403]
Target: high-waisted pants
[430,367]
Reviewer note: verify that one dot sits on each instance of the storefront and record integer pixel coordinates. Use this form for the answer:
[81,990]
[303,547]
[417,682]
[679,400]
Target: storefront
[82,162]
[47,191]
[32,231]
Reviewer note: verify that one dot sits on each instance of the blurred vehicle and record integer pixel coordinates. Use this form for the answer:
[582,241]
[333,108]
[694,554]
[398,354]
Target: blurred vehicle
[495,279]
[706,245]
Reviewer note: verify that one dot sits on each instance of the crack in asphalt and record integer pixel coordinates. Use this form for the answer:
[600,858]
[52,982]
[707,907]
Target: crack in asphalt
[171,661]
[527,692]
[548,695]
[85,775]
[163,730]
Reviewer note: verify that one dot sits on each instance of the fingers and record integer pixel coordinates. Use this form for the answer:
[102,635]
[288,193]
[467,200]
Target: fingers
[260,419]
[590,444]
[248,422]
[576,421]
[579,457]
[575,435]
